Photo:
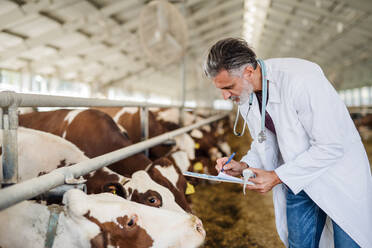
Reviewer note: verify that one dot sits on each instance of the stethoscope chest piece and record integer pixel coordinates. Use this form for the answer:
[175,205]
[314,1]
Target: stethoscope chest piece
[261,136]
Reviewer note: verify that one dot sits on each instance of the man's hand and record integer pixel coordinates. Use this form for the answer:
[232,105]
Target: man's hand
[233,168]
[264,180]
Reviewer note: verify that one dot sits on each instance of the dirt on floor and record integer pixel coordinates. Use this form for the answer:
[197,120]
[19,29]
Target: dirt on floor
[231,219]
[368,147]
[234,220]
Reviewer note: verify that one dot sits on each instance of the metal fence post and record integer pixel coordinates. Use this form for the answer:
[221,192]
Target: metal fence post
[145,126]
[10,148]
[183,76]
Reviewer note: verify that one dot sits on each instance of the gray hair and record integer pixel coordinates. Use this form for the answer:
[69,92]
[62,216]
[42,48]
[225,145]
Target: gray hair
[231,54]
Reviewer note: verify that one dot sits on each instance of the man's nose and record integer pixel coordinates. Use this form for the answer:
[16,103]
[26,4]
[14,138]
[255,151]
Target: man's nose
[226,94]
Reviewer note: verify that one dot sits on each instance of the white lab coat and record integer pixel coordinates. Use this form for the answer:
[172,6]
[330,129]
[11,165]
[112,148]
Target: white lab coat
[317,149]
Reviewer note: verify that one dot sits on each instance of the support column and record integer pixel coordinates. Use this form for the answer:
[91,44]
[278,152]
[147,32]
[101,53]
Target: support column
[9,148]
[183,93]
[183,77]
[25,81]
[144,111]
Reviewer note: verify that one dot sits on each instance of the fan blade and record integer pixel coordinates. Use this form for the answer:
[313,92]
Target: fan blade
[162,17]
[155,39]
[173,41]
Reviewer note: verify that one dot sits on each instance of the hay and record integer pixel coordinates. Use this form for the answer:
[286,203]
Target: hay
[234,220]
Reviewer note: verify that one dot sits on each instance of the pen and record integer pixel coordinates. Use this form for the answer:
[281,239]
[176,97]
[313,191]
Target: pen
[229,160]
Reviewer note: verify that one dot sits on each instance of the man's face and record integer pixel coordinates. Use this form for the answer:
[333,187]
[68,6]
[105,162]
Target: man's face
[235,88]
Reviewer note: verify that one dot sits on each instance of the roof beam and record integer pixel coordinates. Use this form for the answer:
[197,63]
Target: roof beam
[305,35]
[353,56]
[325,43]
[213,33]
[124,76]
[360,5]
[208,12]
[312,8]
[199,49]
[64,29]
[22,12]
[216,23]
[116,7]
[323,12]
[43,39]
[271,34]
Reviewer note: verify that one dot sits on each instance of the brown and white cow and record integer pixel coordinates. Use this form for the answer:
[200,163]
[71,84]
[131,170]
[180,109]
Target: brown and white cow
[41,152]
[34,161]
[102,220]
[363,125]
[95,133]
[129,119]
[209,139]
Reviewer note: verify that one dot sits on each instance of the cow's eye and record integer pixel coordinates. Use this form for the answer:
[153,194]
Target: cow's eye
[153,199]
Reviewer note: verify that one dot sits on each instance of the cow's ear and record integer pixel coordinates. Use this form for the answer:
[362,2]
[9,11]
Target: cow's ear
[115,188]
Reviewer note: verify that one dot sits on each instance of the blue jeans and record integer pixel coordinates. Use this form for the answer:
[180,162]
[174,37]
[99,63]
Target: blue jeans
[306,222]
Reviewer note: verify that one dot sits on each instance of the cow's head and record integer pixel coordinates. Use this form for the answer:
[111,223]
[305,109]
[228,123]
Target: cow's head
[109,220]
[106,180]
[150,191]
[166,173]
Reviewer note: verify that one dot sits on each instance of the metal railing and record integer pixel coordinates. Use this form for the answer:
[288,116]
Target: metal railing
[9,98]
[33,187]
[9,102]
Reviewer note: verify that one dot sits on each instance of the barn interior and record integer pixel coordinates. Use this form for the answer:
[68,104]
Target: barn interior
[151,53]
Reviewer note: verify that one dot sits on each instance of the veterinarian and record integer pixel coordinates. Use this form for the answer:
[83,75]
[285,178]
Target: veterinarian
[305,146]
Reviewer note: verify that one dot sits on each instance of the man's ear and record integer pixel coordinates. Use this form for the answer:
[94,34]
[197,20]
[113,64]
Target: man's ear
[115,188]
[248,72]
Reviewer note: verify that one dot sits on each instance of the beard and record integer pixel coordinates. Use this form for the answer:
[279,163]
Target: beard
[244,96]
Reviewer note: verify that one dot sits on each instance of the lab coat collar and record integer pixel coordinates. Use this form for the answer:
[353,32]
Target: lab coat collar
[274,96]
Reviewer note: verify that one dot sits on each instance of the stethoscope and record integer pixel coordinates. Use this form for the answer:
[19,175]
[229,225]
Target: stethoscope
[261,135]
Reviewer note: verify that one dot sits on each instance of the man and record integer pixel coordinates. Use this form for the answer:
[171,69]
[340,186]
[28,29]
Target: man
[312,159]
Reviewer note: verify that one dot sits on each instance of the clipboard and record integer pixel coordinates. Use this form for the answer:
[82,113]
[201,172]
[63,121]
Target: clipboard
[221,177]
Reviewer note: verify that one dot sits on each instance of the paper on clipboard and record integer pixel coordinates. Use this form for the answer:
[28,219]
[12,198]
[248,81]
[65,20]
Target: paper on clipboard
[221,177]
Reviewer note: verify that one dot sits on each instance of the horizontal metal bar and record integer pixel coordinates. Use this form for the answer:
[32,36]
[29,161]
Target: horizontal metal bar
[8,98]
[33,187]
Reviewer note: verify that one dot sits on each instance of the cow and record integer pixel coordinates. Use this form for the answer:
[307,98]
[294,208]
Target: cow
[130,121]
[33,162]
[95,133]
[140,188]
[165,120]
[364,125]
[209,143]
[102,220]
[40,153]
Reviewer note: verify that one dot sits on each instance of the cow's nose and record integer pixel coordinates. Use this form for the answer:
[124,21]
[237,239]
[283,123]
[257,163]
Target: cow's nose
[199,227]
